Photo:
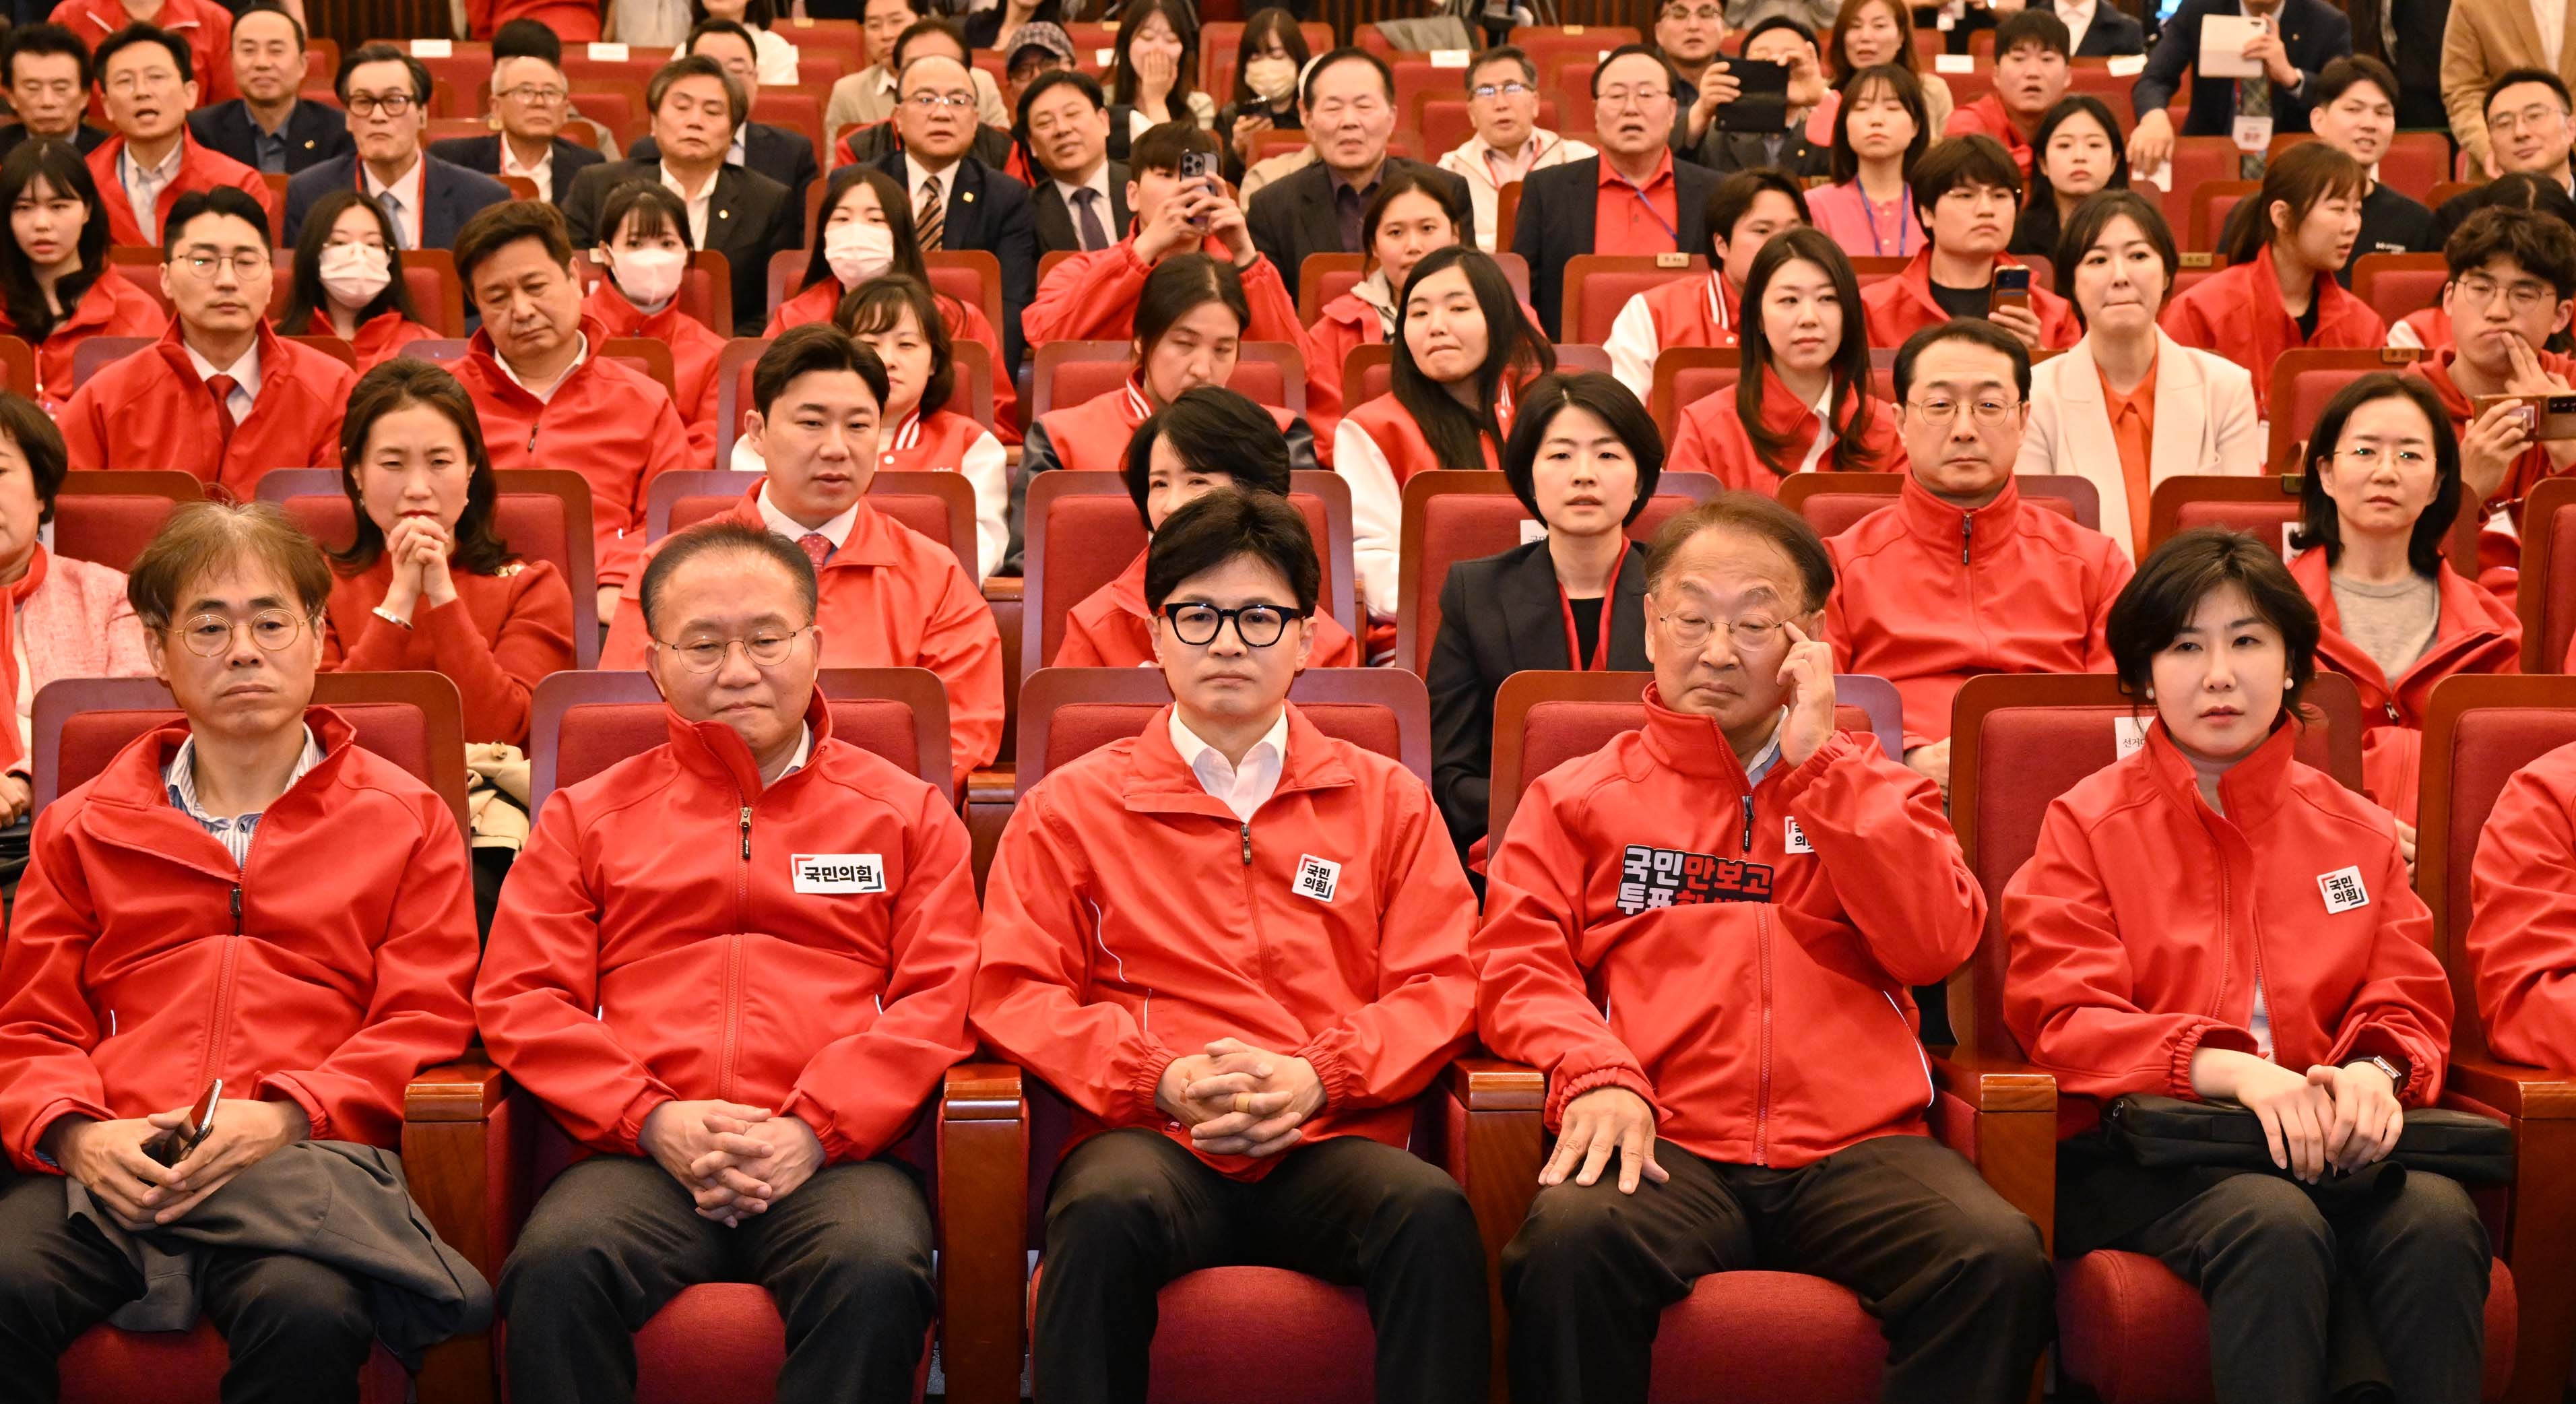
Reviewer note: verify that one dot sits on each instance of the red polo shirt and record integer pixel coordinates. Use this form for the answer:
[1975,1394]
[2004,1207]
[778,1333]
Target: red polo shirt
[1633,219]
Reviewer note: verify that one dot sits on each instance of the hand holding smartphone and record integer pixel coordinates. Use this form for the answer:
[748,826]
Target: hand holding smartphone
[2543,416]
[172,1146]
[1198,174]
[2011,288]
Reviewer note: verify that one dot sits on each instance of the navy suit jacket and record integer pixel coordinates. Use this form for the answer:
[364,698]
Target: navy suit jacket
[990,211]
[314,133]
[449,193]
[483,154]
[2313,33]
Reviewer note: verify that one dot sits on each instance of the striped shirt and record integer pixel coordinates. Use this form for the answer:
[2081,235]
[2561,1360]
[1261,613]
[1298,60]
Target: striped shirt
[233,833]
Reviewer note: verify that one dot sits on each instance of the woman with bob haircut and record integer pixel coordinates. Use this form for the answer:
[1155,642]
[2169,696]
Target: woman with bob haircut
[897,316]
[347,281]
[644,254]
[2211,920]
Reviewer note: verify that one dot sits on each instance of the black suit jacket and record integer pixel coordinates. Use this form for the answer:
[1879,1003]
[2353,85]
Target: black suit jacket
[1555,224]
[1729,152]
[450,195]
[2114,31]
[2313,33]
[314,133]
[750,218]
[1499,616]
[1293,216]
[990,211]
[483,154]
[783,156]
[86,137]
[1056,229]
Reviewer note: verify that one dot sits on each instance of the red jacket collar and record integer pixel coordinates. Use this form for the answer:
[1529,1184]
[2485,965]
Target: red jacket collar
[1159,782]
[1693,745]
[2470,620]
[1936,521]
[1917,278]
[871,541]
[276,362]
[713,751]
[1128,590]
[2333,304]
[130,802]
[2251,789]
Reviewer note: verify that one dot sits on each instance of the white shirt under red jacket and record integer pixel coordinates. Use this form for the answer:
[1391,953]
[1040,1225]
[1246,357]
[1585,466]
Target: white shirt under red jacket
[1753,944]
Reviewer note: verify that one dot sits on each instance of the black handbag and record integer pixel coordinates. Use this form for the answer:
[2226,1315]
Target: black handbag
[2164,1132]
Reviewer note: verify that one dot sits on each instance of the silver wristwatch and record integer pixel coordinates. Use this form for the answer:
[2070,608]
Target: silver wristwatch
[2396,1074]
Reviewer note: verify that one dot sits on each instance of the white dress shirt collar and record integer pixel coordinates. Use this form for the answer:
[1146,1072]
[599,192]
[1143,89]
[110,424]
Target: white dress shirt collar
[700,205]
[408,188]
[245,374]
[580,353]
[1099,183]
[836,531]
[542,173]
[915,173]
[2079,18]
[1244,788]
[804,753]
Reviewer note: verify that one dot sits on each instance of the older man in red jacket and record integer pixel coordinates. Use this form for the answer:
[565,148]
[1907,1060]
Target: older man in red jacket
[1239,947]
[244,895]
[734,966]
[149,80]
[221,395]
[1704,933]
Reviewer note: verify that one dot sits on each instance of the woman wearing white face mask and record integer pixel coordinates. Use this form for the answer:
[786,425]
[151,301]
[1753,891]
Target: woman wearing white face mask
[864,229]
[644,258]
[1266,65]
[348,281]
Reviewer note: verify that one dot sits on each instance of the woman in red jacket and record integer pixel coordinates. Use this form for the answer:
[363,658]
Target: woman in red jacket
[644,248]
[2381,491]
[1802,402]
[2209,919]
[1414,212]
[56,289]
[897,317]
[2283,249]
[347,280]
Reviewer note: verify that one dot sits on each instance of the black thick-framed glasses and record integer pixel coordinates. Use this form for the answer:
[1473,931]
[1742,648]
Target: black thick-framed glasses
[1259,625]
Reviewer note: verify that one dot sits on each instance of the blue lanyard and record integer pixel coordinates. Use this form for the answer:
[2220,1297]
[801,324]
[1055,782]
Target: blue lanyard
[1904,217]
[1640,192]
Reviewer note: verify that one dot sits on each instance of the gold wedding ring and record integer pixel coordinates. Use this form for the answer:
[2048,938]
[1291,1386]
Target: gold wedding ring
[1243,1101]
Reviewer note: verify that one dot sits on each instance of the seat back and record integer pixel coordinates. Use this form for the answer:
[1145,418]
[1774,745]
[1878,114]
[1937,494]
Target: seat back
[2212,201]
[1598,285]
[2017,742]
[2195,269]
[2301,383]
[2267,507]
[2397,284]
[107,517]
[1083,530]
[1067,713]
[1067,373]
[972,276]
[1686,375]
[1833,503]
[939,505]
[2546,595]
[1452,516]
[2479,730]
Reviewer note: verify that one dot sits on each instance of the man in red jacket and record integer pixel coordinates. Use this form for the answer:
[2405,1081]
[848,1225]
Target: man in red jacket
[1239,947]
[148,80]
[1747,892]
[735,966]
[1963,575]
[221,394]
[1967,193]
[2031,69]
[343,885]
[2522,940]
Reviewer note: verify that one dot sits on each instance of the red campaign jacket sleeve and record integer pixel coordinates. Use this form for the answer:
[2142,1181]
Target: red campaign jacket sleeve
[1691,452]
[84,430]
[498,678]
[666,450]
[1532,1004]
[1388,1050]
[1089,297]
[1037,939]
[1905,887]
[2402,1011]
[2116,571]
[964,647]
[2184,323]
[421,1011]
[2068,982]
[47,1027]
[859,1093]
[539,991]
[2522,942]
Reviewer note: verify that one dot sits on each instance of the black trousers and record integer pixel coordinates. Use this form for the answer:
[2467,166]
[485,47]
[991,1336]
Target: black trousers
[2266,1257]
[1131,1210]
[1956,1277]
[614,1238]
[298,1332]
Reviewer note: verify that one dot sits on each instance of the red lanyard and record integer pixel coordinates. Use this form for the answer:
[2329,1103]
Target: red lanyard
[1574,641]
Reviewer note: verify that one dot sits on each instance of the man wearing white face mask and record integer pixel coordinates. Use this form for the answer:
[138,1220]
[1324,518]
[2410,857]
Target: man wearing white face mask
[644,251]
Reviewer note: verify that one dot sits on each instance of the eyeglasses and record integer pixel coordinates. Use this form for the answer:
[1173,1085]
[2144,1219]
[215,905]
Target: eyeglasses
[1987,413]
[369,104]
[1616,99]
[2521,297]
[210,635]
[246,263]
[932,102]
[766,649]
[1487,92]
[1259,626]
[2370,456]
[533,96]
[1745,635]
[150,80]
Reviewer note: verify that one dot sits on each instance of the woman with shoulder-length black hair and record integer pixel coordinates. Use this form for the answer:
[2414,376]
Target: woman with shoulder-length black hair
[348,280]
[643,252]
[1461,346]
[1881,128]
[2210,920]
[1415,211]
[1802,402]
[1583,458]
[2379,497]
[918,430]
[2076,152]
[1154,67]
[55,288]
[1267,61]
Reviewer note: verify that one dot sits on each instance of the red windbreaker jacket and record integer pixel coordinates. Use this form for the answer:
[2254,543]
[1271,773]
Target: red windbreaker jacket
[1711,437]
[1899,307]
[152,410]
[201,167]
[2237,313]
[2522,941]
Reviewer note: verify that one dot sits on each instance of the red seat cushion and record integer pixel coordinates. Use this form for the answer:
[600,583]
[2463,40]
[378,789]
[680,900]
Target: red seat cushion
[1315,1341]
[1767,1338]
[2134,1333]
[109,1366]
[715,1343]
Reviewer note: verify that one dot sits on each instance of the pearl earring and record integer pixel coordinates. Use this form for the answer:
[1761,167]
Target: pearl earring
[2151,694]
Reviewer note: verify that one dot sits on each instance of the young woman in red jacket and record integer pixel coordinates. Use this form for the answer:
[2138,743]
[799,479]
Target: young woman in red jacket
[1462,344]
[644,252]
[921,429]
[56,289]
[2381,492]
[347,280]
[1802,402]
[2209,919]
[1414,212]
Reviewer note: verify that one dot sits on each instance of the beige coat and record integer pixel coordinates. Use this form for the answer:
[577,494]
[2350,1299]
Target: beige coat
[2484,38]
[2205,424]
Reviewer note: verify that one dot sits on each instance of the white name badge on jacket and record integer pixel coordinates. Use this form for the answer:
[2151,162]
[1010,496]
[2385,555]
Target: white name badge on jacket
[838,872]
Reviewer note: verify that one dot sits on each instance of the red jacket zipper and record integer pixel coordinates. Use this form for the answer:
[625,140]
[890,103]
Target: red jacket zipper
[221,1024]
[1762,1106]
[733,963]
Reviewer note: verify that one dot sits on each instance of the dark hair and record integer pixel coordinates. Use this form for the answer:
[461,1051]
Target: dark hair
[2093,215]
[33,431]
[816,348]
[2039,222]
[737,101]
[1733,199]
[1975,330]
[1838,39]
[2515,77]
[2033,26]
[923,28]
[1334,58]
[221,200]
[1180,283]
[271,7]
[59,165]
[134,34]
[1907,90]
[1851,356]
[898,216]
[723,536]
[1956,162]
[398,384]
[1161,147]
[527,38]
[304,295]
[1672,79]
[2319,525]
[2522,190]
[421,82]
[2157,604]
[2339,76]
[2544,247]
[658,212]
[1769,23]
[496,227]
[1221,525]
[2302,177]
[705,27]
[1258,28]
[1513,349]
[756,14]
[1414,180]
[1755,514]
[876,306]
[1501,53]
[1607,400]
[43,39]
[1212,430]
[1073,78]
[1184,20]
[203,537]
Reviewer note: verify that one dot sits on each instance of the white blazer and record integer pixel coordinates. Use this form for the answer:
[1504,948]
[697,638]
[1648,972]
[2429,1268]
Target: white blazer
[2205,424]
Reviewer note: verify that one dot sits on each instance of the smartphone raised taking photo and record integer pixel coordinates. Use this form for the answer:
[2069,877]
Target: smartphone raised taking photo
[1762,97]
[2011,288]
[1199,167]
[2543,416]
[171,1147]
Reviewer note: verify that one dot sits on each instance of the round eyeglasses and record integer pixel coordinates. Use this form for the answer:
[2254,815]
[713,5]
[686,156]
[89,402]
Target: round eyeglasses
[1259,626]
[209,635]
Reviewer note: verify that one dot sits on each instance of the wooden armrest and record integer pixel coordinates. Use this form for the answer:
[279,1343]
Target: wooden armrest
[994,785]
[1002,587]
[2540,1237]
[982,1092]
[1992,1084]
[2516,1089]
[1493,1085]
[462,1091]
[983,1231]
[451,1116]
[2010,1129]
[1493,1146]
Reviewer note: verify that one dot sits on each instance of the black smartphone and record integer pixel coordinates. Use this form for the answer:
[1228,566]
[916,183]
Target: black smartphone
[171,1147]
[1762,97]
[2011,288]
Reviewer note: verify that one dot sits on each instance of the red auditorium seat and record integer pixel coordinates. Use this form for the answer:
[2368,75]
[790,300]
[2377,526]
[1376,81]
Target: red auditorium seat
[107,517]
[2397,284]
[1685,375]
[2301,383]
[2211,203]
[1833,503]
[1597,286]
[2546,596]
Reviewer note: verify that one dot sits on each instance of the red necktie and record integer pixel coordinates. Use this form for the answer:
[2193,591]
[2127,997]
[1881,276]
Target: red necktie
[224,386]
[816,545]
